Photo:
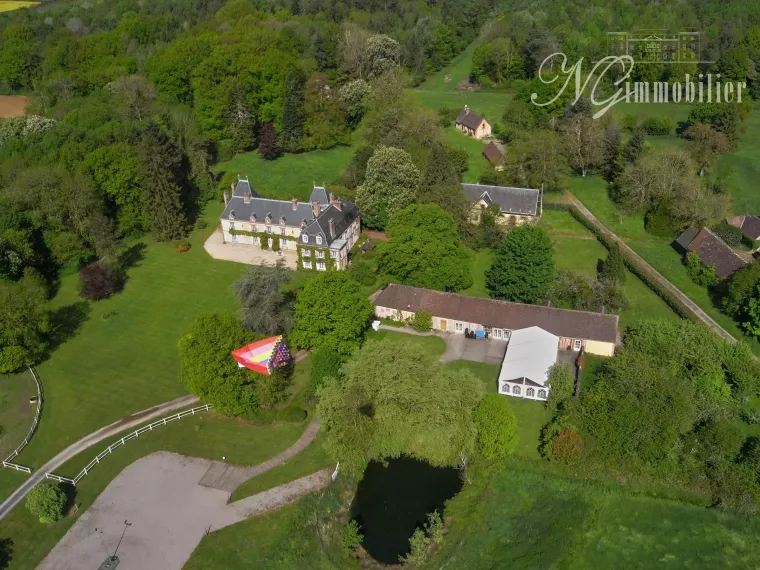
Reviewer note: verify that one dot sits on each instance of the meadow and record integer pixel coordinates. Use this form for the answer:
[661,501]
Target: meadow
[8,5]
[16,412]
[553,521]
[290,175]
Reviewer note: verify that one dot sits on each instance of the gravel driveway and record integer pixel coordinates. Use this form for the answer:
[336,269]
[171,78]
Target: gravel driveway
[169,511]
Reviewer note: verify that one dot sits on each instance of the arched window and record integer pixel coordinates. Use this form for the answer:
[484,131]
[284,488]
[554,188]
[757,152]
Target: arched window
[530,392]
[542,394]
[515,389]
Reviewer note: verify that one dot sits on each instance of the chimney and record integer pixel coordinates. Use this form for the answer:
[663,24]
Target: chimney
[232,187]
[315,208]
[332,197]
[331,223]
[226,198]
[466,110]
[294,203]
[247,198]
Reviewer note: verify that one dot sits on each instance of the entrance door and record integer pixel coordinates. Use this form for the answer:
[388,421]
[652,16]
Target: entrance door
[443,324]
[577,345]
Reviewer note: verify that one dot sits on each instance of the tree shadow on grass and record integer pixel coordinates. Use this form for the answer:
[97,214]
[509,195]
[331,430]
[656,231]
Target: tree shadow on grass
[132,256]
[6,552]
[66,322]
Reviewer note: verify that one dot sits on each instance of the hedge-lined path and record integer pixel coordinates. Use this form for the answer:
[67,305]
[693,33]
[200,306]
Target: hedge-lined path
[656,275]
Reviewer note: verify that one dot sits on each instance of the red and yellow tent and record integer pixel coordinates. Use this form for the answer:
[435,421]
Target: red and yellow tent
[264,355]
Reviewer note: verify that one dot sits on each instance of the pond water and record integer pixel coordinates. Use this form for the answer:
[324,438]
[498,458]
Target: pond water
[391,502]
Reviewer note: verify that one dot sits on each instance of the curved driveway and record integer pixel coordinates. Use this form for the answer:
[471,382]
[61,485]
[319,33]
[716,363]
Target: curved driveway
[88,441]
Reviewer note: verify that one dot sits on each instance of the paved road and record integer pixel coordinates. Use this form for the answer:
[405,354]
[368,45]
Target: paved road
[490,351]
[691,305]
[88,441]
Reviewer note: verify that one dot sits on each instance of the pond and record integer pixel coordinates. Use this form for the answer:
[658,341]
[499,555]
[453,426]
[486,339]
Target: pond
[391,502]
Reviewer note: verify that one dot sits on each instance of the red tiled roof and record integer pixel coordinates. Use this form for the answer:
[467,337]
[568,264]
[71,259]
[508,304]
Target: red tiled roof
[492,152]
[501,314]
[714,251]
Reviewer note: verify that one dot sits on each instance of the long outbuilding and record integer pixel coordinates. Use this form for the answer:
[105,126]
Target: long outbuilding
[595,333]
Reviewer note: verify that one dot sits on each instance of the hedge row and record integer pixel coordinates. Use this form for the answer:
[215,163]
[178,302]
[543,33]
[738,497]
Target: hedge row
[641,271]
[556,206]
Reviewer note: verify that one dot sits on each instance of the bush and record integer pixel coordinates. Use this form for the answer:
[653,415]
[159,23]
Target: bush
[46,502]
[183,246]
[351,537]
[703,276]
[422,321]
[324,363]
[567,446]
[630,123]
[496,425]
[99,280]
[657,125]
[201,224]
[659,221]
[275,243]
[732,235]
[459,159]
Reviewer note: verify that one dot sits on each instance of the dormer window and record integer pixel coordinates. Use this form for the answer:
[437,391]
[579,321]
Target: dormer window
[319,240]
[305,238]
[268,219]
[253,217]
[232,214]
[282,221]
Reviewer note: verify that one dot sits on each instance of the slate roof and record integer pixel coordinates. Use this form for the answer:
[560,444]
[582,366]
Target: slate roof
[686,238]
[748,224]
[492,152]
[712,251]
[501,314]
[469,119]
[522,201]
[303,213]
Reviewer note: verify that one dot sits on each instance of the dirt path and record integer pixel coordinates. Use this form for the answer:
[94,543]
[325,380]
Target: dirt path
[88,441]
[227,477]
[691,305]
[169,512]
[12,106]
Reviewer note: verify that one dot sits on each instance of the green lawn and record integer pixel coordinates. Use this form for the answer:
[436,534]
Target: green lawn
[746,162]
[291,175]
[489,104]
[16,413]
[432,345]
[308,461]
[474,148]
[121,354]
[529,518]
[204,435]
[480,263]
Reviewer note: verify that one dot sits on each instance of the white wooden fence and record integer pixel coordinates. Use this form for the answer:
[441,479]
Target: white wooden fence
[123,440]
[7,462]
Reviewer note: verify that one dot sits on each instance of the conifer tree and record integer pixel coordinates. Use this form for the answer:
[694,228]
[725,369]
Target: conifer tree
[523,267]
[160,163]
[242,123]
[293,113]
[613,268]
[634,147]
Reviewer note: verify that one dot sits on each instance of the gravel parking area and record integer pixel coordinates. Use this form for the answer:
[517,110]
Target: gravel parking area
[169,511]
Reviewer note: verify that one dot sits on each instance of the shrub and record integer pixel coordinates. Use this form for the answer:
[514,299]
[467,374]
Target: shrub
[657,125]
[423,539]
[459,159]
[99,280]
[324,363]
[630,123]
[496,425]
[422,321]
[567,446]
[183,246]
[704,276]
[732,235]
[351,537]
[46,502]
[275,243]
[201,224]
[659,221]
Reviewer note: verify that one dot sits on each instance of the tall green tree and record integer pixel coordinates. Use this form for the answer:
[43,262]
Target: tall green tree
[46,502]
[613,268]
[208,370]
[265,308]
[634,147]
[293,112]
[425,250]
[24,322]
[160,164]
[391,183]
[523,267]
[331,312]
[393,400]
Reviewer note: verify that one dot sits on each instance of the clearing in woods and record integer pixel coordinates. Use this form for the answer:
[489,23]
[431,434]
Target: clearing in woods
[12,106]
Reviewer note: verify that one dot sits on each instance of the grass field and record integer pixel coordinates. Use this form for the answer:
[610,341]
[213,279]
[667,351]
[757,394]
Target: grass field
[120,355]
[291,175]
[474,148]
[8,5]
[745,161]
[205,435]
[16,413]
[531,519]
